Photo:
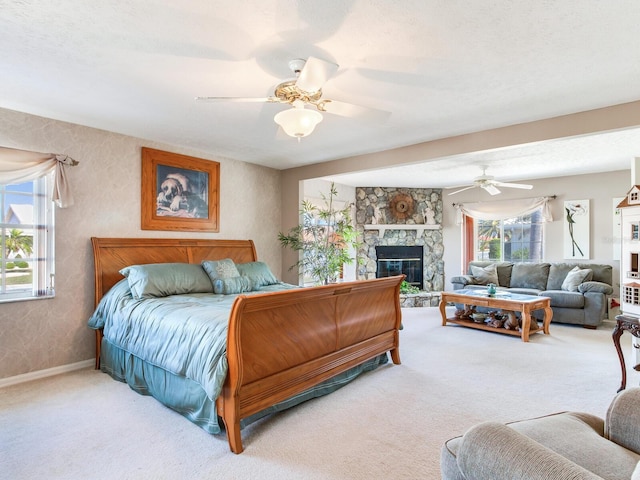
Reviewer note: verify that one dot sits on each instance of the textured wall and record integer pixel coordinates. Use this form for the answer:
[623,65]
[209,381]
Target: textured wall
[40,334]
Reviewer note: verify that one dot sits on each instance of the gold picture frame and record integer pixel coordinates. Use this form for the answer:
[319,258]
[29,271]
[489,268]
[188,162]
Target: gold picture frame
[179,193]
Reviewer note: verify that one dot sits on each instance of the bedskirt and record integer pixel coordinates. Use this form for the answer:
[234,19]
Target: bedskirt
[189,399]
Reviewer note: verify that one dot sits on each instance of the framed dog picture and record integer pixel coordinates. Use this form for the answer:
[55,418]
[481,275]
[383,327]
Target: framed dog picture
[179,192]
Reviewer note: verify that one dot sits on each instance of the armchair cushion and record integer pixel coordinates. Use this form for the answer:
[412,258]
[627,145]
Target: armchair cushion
[566,445]
[623,419]
[496,451]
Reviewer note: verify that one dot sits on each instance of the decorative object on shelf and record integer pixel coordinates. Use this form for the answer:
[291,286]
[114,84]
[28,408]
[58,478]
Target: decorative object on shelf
[479,317]
[324,239]
[495,320]
[179,192]
[511,321]
[429,216]
[401,206]
[465,313]
[576,229]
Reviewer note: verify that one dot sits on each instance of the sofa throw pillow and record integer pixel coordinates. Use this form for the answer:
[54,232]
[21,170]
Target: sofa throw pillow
[484,275]
[225,268]
[530,275]
[574,278]
[232,285]
[164,279]
[258,272]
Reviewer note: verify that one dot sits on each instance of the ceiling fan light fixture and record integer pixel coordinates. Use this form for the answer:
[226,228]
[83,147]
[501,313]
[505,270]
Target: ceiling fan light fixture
[298,121]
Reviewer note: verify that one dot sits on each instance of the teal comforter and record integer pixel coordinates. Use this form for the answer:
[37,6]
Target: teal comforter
[182,334]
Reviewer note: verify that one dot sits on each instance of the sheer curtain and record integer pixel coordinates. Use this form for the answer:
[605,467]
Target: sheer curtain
[503,209]
[18,166]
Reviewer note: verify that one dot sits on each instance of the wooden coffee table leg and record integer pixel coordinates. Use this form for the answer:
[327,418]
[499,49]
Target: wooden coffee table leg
[548,315]
[526,324]
[443,304]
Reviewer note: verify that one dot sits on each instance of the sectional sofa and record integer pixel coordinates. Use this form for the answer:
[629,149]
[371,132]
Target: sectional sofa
[578,291]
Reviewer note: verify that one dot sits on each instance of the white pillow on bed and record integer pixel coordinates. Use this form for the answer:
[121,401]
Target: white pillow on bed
[164,279]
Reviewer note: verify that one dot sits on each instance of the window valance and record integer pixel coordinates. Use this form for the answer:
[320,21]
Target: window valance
[18,166]
[503,209]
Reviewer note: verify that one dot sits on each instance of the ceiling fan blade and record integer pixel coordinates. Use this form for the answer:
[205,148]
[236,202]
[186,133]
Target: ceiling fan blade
[314,74]
[514,185]
[491,189]
[354,111]
[239,99]
[463,189]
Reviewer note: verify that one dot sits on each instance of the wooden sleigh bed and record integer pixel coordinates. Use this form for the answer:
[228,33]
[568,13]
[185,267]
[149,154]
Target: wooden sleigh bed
[278,344]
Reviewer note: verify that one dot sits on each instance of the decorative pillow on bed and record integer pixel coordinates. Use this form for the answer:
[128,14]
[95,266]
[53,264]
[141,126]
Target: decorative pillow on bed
[163,279]
[220,269]
[484,275]
[232,285]
[258,272]
[575,277]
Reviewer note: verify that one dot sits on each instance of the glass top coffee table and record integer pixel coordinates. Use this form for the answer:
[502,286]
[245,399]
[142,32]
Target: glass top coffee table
[501,301]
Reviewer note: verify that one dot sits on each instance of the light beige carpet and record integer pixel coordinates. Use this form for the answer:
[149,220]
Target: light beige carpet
[387,424]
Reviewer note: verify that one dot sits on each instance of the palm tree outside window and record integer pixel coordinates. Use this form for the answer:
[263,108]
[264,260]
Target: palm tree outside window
[518,239]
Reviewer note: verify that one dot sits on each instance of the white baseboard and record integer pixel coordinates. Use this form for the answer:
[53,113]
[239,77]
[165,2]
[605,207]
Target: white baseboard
[49,372]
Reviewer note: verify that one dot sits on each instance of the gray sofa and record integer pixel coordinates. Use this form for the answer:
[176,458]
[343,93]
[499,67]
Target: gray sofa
[566,445]
[578,296]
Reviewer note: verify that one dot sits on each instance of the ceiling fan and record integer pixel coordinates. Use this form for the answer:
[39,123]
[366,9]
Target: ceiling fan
[489,184]
[305,90]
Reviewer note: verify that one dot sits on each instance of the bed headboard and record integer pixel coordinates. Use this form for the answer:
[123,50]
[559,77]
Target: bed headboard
[110,255]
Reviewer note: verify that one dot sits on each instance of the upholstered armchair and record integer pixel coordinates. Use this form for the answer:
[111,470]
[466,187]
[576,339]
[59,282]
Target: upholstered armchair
[567,445]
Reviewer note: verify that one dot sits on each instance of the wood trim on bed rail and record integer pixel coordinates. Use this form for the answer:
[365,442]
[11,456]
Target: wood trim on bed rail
[281,344]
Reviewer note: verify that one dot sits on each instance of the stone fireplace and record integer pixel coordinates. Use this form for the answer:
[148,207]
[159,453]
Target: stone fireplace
[401,217]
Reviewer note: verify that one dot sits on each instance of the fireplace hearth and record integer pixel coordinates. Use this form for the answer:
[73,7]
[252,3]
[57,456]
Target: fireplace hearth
[396,260]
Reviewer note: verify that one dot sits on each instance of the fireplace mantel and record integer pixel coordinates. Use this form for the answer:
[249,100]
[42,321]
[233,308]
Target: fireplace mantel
[419,227]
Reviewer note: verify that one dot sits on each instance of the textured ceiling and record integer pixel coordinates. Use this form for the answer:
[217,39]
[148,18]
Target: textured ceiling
[441,68]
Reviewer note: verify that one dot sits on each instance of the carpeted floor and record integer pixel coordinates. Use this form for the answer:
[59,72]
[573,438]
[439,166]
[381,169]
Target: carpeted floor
[387,424]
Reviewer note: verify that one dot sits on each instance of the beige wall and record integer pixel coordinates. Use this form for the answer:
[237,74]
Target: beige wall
[41,334]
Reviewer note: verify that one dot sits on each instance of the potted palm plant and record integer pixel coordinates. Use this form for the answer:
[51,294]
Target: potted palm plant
[324,239]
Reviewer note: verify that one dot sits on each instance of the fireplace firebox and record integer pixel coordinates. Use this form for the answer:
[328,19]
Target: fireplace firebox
[396,260]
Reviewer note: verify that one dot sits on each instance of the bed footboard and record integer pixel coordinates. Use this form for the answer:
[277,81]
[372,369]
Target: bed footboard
[280,344]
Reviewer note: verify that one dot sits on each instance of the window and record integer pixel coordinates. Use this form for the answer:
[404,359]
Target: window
[518,239]
[27,240]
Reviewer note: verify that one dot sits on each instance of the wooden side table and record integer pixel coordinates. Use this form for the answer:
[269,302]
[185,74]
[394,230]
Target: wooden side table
[631,325]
